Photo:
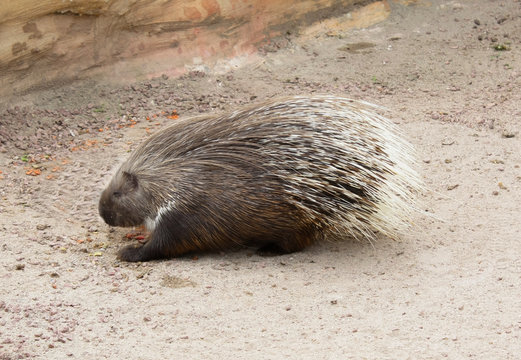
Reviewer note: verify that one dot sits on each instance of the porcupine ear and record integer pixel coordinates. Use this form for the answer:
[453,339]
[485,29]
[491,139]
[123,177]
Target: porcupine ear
[131,181]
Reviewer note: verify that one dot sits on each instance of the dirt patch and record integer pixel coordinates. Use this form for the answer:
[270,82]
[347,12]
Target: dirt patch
[448,72]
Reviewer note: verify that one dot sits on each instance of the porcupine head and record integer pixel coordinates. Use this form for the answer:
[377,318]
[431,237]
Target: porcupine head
[124,202]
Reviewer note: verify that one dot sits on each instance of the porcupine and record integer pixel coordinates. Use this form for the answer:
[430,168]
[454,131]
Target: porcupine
[279,176]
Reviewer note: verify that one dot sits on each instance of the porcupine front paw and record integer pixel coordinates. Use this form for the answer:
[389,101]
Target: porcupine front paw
[146,252]
[131,254]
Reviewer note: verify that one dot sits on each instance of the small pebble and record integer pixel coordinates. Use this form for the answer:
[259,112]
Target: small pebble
[507,134]
[447,141]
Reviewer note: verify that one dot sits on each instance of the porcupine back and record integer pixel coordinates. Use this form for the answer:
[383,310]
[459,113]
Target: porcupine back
[332,164]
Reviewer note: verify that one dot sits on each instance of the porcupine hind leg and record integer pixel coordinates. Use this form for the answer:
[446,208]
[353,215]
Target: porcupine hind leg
[290,244]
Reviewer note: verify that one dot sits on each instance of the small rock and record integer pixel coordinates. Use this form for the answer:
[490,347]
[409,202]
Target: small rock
[20,266]
[447,141]
[507,134]
[141,275]
[42,226]
[457,6]
[477,22]
[396,37]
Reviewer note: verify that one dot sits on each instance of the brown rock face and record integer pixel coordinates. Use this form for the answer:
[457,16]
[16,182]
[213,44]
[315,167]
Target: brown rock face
[52,41]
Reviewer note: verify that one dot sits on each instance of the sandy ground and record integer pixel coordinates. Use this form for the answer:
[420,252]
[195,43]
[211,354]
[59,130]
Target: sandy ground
[450,74]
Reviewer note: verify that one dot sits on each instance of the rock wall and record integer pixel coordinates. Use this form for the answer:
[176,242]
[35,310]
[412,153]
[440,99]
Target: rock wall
[47,42]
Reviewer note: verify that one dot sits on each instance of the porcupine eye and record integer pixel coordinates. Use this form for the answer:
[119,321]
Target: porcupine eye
[116,194]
